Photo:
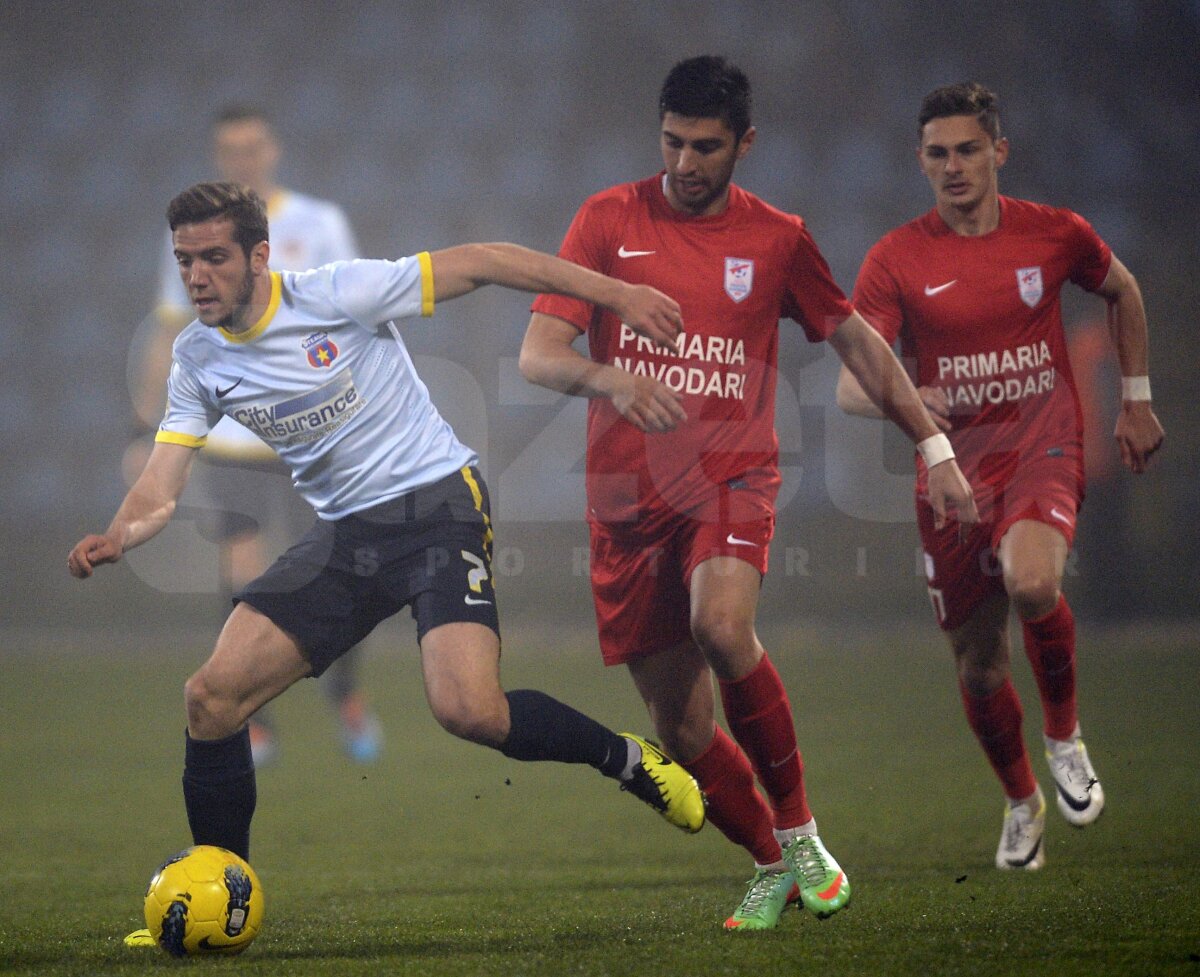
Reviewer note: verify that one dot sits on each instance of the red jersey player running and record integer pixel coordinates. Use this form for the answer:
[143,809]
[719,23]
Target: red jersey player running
[682,463]
[972,291]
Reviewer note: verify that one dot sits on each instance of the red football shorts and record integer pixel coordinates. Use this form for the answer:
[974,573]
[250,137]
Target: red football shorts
[641,586]
[960,575]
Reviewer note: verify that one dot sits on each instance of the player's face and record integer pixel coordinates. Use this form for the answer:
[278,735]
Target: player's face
[960,161]
[700,155]
[217,274]
[246,152]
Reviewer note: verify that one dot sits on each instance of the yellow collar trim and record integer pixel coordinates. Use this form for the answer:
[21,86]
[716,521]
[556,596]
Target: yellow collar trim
[259,327]
[276,202]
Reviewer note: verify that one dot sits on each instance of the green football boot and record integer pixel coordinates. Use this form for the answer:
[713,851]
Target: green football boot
[765,901]
[824,888]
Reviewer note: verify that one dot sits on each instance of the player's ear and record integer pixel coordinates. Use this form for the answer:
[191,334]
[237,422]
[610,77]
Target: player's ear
[746,142]
[1001,151]
[260,255]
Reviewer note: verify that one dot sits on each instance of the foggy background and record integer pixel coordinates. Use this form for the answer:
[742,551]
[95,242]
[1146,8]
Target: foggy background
[434,124]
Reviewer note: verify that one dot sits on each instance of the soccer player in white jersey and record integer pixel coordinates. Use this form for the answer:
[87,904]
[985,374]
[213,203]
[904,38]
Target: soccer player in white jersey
[313,363]
[242,512]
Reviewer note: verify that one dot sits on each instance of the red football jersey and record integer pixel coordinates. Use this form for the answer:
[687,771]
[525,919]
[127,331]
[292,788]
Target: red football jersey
[981,318]
[735,275]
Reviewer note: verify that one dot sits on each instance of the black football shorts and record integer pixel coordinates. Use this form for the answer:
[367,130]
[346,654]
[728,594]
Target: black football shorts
[429,550]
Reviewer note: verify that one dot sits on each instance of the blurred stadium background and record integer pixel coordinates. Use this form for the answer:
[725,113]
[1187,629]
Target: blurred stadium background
[433,124]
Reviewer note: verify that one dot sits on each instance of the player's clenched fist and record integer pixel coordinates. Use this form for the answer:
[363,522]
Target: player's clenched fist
[1138,435]
[89,553]
[647,404]
[650,313]
[934,399]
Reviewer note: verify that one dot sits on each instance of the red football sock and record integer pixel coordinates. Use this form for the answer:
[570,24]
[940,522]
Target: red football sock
[734,806]
[760,718]
[996,722]
[1050,646]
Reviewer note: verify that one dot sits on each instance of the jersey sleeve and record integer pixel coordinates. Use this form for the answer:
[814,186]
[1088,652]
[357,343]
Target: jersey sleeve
[189,417]
[1092,257]
[374,292]
[877,296]
[814,298]
[585,244]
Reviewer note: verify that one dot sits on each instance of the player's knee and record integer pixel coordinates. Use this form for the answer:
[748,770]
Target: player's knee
[980,678]
[472,722]
[687,741]
[981,659]
[1033,593]
[723,636]
[210,713]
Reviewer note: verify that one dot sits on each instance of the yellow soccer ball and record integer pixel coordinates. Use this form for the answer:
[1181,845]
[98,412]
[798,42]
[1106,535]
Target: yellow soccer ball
[204,900]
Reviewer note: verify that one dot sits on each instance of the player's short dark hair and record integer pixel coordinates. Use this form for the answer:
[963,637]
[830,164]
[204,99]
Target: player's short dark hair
[209,201]
[708,87]
[241,112]
[965,98]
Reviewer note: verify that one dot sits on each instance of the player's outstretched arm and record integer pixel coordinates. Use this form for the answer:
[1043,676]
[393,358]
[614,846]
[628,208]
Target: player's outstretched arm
[144,512]
[854,400]
[1138,432]
[880,376]
[549,360]
[467,267]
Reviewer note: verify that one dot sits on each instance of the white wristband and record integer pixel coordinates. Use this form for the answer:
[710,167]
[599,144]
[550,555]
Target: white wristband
[1135,388]
[935,450]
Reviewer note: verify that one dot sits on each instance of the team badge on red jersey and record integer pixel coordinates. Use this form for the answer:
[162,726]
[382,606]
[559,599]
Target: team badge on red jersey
[321,350]
[739,277]
[1029,281]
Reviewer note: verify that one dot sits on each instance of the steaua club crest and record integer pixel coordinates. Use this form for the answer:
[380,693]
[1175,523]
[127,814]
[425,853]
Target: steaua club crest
[739,277]
[321,350]
[1029,281]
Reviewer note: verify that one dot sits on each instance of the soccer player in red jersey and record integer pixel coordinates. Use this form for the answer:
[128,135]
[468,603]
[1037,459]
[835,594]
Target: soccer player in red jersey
[682,463]
[971,289]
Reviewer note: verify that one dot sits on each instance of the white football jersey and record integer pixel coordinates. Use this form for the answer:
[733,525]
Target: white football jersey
[305,233]
[325,379]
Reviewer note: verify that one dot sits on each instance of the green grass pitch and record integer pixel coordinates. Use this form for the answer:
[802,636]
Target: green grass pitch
[445,858]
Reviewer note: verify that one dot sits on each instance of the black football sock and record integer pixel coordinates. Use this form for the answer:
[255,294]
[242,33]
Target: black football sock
[542,728]
[219,791]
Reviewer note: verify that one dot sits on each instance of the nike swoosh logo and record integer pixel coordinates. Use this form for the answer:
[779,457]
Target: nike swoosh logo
[623,253]
[834,887]
[474,600]
[734,541]
[1022,862]
[780,763]
[1072,803]
[655,754]
[1059,516]
[206,944]
[228,390]
[934,289]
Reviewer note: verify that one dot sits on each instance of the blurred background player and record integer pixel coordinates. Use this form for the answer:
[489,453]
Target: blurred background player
[682,463]
[972,291]
[245,512]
